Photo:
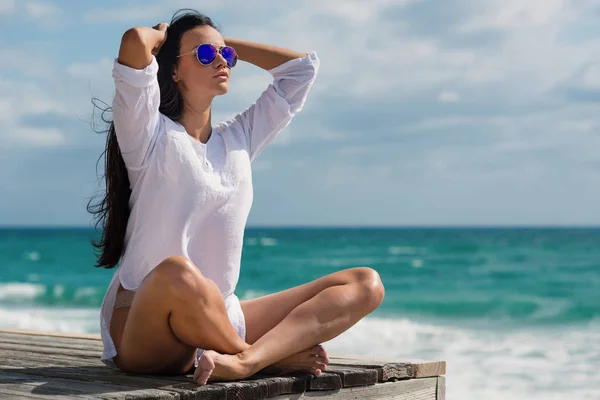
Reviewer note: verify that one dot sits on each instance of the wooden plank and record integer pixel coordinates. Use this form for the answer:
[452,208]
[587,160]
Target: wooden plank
[86,373]
[82,344]
[354,376]
[51,350]
[184,389]
[183,384]
[88,336]
[327,381]
[41,387]
[389,369]
[280,385]
[418,368]
[422,368]
[242,390]
[441,388]
[385,371]
[77,358]
[413,389]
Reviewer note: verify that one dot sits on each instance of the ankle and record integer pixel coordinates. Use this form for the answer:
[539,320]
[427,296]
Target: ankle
[248,362]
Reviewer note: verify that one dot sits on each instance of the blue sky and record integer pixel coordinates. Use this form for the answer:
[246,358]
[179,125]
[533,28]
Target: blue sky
[425,112]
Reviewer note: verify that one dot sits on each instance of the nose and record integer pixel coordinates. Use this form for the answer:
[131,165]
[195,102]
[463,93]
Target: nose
[219,62]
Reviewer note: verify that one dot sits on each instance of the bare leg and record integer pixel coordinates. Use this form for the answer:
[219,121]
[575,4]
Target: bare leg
[326,315]
[175,310]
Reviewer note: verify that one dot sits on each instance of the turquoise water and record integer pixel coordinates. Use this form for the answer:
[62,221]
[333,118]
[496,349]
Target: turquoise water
[525,276]
[485,300]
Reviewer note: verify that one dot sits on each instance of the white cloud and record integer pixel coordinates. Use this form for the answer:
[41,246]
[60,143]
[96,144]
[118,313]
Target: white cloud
[91,70]
[7,6]
[156,12]
[590,78]
[448,97]
[40,137]
[502,65]
[46,13]
[355,12]
[42,10]
[511,14]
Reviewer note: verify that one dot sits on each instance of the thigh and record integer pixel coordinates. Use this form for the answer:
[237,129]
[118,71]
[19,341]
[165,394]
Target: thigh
[264,313]
[143,337]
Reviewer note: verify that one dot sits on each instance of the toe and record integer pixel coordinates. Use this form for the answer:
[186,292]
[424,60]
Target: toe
[321,366]
[321,352]
[206,365]
[321,360]
[202,378]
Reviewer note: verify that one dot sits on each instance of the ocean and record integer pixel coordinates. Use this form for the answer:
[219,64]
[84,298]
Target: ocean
[515,312]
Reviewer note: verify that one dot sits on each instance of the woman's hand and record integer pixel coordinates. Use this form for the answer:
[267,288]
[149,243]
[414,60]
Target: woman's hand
[161,27]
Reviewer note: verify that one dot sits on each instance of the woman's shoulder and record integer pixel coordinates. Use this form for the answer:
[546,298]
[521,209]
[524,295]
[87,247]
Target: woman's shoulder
[231,130]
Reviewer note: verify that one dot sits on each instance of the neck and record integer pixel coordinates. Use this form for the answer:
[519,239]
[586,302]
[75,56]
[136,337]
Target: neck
[196,119]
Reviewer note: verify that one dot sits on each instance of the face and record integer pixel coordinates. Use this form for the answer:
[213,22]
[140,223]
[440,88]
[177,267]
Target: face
[195,78]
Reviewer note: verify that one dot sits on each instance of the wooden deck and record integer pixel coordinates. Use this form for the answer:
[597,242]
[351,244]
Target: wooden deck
[44,365]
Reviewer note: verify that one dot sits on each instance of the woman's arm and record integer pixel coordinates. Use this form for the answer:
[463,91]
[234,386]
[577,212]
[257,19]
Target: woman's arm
[137,95]
[293,76]
[139,44]
[262,55]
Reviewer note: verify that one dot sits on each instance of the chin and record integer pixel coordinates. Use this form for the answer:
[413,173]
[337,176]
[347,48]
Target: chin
[222,89]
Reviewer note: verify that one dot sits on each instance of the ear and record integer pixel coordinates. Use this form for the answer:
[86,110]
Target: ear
[174,75]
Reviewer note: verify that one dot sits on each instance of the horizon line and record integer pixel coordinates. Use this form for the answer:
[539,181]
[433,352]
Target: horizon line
[365,226]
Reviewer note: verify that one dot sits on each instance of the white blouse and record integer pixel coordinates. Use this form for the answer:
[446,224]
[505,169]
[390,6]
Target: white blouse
[188,198]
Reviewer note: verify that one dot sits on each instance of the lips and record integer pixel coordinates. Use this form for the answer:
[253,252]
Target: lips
[221,74]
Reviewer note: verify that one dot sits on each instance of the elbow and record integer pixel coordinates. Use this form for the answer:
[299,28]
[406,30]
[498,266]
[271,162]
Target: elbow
[132,37]
[134,51]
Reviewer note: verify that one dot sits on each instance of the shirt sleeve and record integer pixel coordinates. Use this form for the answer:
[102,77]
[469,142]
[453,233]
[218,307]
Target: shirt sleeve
[279,103]
[135,110]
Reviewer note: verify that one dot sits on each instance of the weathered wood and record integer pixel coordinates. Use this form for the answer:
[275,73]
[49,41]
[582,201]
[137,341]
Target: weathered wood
[36,333]
[441,388]
[285,384]
[354,376]
[413,389]
[39,387]
[183,384]
[51,350]
[327,381]
[71,343]
[51,365]
[87,373]
[394,369]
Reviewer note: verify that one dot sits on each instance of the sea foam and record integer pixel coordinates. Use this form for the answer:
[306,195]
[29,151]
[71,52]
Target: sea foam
[488,363]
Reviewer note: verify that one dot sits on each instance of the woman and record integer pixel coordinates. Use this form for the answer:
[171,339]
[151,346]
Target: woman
[178,194]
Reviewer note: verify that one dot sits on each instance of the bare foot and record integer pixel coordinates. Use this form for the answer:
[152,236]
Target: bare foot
[213,366]
[313,360]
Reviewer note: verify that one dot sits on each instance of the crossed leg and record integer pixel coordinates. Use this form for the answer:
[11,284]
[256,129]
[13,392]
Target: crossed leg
[176,310]
[285,323]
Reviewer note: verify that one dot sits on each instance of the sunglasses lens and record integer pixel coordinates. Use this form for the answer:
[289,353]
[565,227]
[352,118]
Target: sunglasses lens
[229,55]
[206,53]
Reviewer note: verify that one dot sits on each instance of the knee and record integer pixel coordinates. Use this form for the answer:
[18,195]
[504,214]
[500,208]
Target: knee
[371,286]
[179,274]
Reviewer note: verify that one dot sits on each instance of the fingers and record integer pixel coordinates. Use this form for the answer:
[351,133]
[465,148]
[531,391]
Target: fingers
[162,36]
[161,26]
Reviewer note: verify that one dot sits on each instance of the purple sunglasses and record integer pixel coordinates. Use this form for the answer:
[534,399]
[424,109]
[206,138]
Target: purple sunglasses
[206,54]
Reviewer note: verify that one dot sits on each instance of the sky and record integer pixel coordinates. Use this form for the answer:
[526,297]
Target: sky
[424,112]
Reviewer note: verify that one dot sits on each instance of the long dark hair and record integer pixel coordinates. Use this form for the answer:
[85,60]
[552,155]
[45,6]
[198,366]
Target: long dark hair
[112,211]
